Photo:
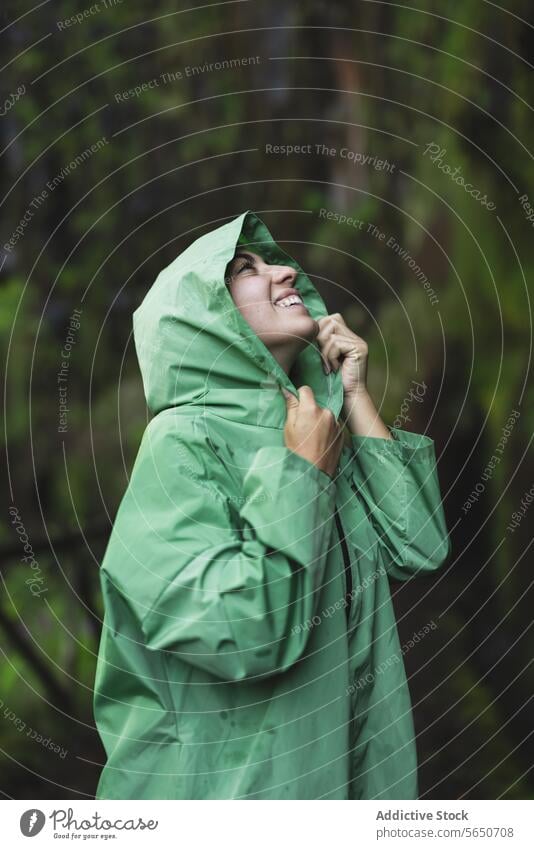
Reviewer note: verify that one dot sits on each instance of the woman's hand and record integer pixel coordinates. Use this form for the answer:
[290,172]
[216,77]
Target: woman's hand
[312,431]
[340,347]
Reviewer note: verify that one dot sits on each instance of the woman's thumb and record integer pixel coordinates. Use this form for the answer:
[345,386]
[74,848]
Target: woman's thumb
[290,398]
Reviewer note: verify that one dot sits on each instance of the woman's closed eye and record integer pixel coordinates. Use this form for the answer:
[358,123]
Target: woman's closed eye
[239,266]
[245,264]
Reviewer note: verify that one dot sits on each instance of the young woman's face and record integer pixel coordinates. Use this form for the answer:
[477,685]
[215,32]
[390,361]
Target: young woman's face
[268,300]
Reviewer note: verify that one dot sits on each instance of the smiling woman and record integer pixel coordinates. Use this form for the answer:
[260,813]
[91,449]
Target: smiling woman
[244,520]
[266,296]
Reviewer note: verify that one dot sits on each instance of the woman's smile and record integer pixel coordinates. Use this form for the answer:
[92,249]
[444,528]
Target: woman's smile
[289,298]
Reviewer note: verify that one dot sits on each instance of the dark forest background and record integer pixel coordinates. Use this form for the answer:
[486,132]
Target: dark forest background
[178,158]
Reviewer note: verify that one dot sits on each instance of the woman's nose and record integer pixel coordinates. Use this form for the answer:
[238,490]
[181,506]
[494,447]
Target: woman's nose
[284,274]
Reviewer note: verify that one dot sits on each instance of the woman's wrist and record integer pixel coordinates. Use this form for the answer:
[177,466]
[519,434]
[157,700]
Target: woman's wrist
[362,417]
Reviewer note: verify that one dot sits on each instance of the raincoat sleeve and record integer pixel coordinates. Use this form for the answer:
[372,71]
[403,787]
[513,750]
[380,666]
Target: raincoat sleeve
[398,483]
[230,601]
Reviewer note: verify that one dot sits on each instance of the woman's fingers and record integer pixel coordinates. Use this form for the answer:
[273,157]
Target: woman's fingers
[335,348]
[336,340]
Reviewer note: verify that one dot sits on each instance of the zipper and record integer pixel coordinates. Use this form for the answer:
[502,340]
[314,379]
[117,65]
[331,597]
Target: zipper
[346,560]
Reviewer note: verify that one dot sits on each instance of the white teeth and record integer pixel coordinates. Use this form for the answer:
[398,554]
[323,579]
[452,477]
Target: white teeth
[291,299]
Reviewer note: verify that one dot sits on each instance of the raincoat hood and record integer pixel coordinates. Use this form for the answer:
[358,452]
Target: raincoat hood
[195,348]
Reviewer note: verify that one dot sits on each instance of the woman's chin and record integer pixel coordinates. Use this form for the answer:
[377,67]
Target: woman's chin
[305,330]
[299,332]
[312,327]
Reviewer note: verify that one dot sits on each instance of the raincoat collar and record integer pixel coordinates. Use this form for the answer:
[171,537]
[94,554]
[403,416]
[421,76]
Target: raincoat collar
[196,350]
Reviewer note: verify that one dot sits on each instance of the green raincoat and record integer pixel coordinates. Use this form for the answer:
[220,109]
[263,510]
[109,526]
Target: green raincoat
[250,648]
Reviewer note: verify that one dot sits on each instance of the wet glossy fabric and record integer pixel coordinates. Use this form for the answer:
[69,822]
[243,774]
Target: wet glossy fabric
[227,668]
